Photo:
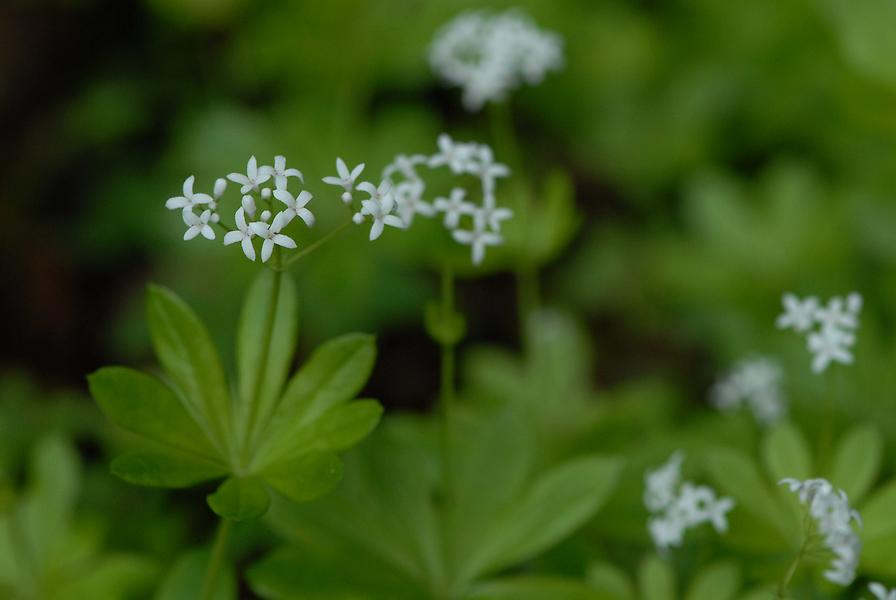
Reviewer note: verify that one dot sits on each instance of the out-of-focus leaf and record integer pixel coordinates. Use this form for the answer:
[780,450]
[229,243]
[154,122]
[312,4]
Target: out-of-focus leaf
[866,39]
[165,469]
[533,587]
[878,531]
[611,582]
[240,499]
[786,453]
[185,579]
[717,582]
[656,580]
[117,576]
[857,461]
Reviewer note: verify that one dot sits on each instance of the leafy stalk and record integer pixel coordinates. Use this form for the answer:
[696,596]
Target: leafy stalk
[216,559]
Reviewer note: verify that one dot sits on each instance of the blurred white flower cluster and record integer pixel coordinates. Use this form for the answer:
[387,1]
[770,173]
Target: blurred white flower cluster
[836,323]
[400,195]
[677,506]
[756,383]
[251,222]
[489,55]
[880,591]
[830,510]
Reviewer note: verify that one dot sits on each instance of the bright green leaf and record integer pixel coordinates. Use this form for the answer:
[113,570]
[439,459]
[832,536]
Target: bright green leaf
[306,477]
[879,530]
[186,578]
[786,453]
[717,582]
[857,462]
[144,405]
[165,469]
[185,350]
[656,580]
[240,499]
[611,581]
[266,343]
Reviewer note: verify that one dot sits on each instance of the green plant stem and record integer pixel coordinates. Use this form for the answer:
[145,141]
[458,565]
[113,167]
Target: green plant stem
[216,559]
[506,143]
[448,358]
[826,435]
[311,248]
[254,401]
[795,563]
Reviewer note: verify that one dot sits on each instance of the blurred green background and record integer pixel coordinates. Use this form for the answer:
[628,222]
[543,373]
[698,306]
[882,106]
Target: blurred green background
[719,153]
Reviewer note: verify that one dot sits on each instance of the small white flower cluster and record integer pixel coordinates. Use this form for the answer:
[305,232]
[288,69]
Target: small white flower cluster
[831,511]
[490,54]
[756,383]
[837,323]
[267,227]
[880,591]
[399,196]
[677,506]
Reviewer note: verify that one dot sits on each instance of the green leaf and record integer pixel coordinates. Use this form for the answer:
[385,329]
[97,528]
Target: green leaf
[786,453]
[717,582]
[656,580]
[558,502]
[306,477]
[737,475]
[185,350]
[857,462]
[187,576]
[333,375]
[612,582]
[344,426]
[240,499]
[533,587]
[119,576]
[145,406]
[446,329]
[165,469]
[266,343]
[879,530]
[866,36]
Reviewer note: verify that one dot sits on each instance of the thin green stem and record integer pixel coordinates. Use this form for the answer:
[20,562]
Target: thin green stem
[216,559]
[309,249]
[270,318]
[795,563]
[448,359]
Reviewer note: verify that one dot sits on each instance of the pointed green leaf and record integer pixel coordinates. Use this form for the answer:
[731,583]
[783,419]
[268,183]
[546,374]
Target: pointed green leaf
[118,576]
[240,499]
[144,405]
[306,477]
[717,582]
[879,530]
[558,502]
[185,350]
[786,453]
[611,581]
[737,475]
[333,375]
[187,576]
[266,343]
[533,587]
[656,580]
[165,469]
[857,462]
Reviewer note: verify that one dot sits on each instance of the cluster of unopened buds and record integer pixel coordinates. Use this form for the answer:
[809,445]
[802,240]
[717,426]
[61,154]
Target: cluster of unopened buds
[677,506]
[830,510]
[268,206]
[829,329]
[490,54]
[754,383]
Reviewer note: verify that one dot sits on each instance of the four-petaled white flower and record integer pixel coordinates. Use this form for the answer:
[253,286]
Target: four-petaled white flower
[189,199]
[454,206]
[197,225]
[379,207]
[830,345]
[478,238]
[271,235]
[487,169]
[280,173]
[243,234]
[409,200]
[455,155]
[253,177]
[798,314]
[880,591]
[493,215]
[756,383]
[346,178]
[295,206]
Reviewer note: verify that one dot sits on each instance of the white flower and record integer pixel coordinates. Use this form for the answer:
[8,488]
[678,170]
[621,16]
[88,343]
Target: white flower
[479,238]
[220,186]
[406,165]
[487,169]
[243,234]
[189,199]
[379,207]
[197,225]
[666,532]
[880,592]
[271,235]
[798,314]
[454,206]
[253,177]
[661,483]
[835,315]
[488,55]
[454,154]
[492,214]
[830,345]
[295,206]
[831,511]
[346,178]
[755,382]
[409,200]
[280,173]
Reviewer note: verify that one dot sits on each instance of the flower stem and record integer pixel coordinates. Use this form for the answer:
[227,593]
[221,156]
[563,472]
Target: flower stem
[448,359]
[216,559]
[309,249]
[794,564]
